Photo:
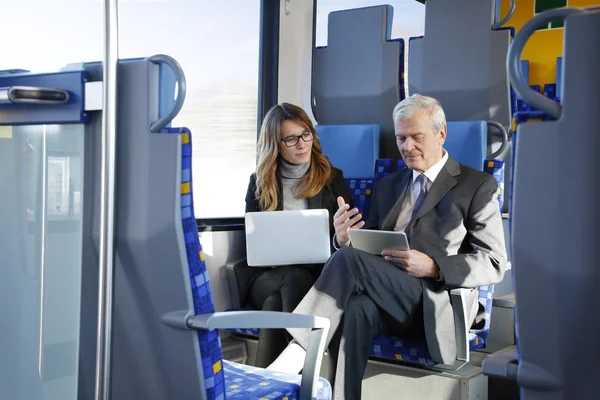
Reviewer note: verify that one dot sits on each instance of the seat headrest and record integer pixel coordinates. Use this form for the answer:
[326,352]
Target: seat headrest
[358,78]
[467,142]
[351,148]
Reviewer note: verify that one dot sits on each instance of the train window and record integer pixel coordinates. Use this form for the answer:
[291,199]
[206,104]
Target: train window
[409,21]
[218,47]
[43,36]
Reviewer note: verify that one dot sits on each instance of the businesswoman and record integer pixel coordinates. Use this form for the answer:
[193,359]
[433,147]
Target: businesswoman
[292,174]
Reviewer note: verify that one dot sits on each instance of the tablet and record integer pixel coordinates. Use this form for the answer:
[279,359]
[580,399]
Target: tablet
[375,242]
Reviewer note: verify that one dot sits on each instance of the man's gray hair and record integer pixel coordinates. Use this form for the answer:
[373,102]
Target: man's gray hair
[410,105]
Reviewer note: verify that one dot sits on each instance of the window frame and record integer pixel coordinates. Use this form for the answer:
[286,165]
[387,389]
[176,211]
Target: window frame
[268,77]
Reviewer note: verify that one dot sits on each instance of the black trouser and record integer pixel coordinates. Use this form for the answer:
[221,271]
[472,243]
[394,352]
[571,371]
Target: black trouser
[277,289]
[363,296]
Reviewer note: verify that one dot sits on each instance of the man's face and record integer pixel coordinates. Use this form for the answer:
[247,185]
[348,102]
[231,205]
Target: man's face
[418,144]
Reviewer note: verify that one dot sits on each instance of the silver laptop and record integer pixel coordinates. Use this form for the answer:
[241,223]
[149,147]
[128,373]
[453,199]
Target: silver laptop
[287,237]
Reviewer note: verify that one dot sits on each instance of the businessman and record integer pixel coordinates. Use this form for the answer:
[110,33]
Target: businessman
[451,217]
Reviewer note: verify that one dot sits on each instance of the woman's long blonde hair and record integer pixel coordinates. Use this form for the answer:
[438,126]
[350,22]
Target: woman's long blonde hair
[267,186]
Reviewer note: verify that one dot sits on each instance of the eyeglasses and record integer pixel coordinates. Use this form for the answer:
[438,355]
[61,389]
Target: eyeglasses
[290,141]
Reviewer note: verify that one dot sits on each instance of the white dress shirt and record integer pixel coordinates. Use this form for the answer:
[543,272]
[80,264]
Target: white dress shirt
[431,174]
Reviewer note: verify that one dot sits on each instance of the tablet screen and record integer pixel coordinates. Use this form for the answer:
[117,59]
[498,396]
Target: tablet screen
[374,241]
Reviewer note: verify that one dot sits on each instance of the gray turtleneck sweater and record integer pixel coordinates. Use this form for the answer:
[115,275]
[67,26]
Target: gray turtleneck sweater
[290,177]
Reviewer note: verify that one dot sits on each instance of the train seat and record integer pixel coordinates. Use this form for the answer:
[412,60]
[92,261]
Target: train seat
[225,379]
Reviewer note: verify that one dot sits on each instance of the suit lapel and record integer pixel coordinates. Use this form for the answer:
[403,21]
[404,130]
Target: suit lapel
[445,181]
[401,190]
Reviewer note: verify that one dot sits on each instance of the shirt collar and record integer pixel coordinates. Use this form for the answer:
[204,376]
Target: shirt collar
[434,170]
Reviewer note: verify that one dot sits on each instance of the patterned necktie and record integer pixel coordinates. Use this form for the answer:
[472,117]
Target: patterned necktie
[421,181]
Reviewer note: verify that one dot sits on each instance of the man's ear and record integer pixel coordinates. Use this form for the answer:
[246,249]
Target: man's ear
[443,132]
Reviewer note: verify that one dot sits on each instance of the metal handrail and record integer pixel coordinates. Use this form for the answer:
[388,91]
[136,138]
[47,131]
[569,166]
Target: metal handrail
[107,200]
[504,133]
[163,121]
[513,61]
[497,25]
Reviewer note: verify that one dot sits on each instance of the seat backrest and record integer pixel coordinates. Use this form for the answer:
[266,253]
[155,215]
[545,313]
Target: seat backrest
[209,341]
[358,77]
[547,277]
[415,64]
[383,167]
[486,297]
[559,77]
[515,99]
[467,142]
[475,84]
[351,148]
[150,359]
[496,168]
[361,190]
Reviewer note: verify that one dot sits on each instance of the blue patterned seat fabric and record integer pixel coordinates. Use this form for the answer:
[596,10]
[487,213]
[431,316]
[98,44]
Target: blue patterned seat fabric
[244,382]
[360,190]
[383,167]
[387,166]
[223,380]
[496,169]
[415,351]
[242,331]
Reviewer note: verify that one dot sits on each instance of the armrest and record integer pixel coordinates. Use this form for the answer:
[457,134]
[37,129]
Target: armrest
[239,278]
[235,289]
[266,319]
[255,320]
[459,298]
[230,266]
[502,365]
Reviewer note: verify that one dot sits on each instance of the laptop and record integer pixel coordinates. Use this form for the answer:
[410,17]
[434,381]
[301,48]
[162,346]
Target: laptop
[287,237]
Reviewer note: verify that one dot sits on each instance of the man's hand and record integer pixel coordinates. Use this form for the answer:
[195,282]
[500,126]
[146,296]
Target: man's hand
[344,219]
[414,263]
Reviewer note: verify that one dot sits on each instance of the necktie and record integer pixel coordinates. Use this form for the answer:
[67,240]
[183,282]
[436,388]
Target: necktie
[421,181]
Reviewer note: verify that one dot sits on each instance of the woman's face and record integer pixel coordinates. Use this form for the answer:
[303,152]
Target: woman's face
[295,144]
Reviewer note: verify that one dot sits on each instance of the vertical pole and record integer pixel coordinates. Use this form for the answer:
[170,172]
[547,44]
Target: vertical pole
[107,200]
[44,218]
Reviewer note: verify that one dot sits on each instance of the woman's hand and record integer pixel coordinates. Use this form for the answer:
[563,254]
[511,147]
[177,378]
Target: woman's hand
[344,219]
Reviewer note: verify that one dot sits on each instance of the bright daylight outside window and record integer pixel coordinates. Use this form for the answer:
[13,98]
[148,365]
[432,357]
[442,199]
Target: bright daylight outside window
[409,21]
[216,45]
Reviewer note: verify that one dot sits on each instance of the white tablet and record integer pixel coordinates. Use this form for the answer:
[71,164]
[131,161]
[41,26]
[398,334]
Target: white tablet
[375,242]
